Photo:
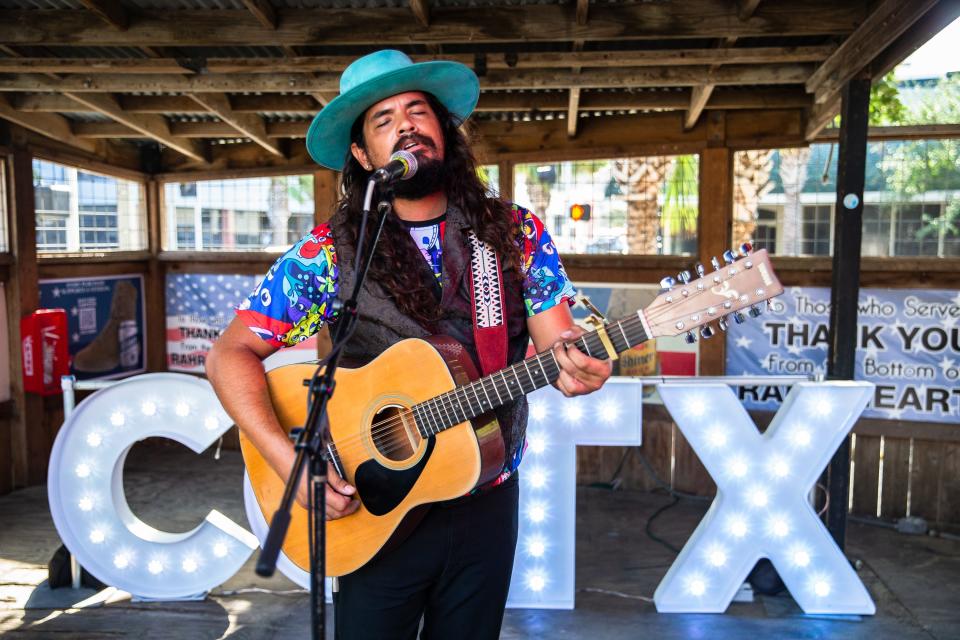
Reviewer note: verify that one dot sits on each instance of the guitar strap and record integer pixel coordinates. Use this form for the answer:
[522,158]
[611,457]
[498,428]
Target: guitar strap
[489,327]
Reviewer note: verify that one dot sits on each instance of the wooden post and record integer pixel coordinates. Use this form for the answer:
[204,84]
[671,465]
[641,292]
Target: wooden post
[325,196]
[713,235]
[29,442]
[506,179]
[845,291]
[155,286]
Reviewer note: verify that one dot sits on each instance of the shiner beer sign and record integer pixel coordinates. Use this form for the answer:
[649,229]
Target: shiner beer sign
[908,344]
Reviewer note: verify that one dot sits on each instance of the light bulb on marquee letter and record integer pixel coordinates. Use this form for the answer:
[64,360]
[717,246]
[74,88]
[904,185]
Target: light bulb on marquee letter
[758,513]
[90,511]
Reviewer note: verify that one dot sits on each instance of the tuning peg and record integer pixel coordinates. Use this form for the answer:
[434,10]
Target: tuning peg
[755,311]
[729,257]
[738,317]
[667,283]
[745,249]
[684,276]
[715,263]
[722,324]
[706,332]
[700,270]
[690,337]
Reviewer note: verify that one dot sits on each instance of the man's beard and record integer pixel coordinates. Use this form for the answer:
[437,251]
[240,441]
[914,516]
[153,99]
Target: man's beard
[430,177]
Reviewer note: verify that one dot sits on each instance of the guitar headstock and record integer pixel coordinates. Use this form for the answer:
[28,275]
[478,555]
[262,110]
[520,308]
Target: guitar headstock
[745,281]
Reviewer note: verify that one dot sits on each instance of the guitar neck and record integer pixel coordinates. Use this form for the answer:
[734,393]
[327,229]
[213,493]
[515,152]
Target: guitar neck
[499,388]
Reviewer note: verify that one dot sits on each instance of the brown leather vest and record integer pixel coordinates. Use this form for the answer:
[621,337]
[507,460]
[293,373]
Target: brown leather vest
[381,324]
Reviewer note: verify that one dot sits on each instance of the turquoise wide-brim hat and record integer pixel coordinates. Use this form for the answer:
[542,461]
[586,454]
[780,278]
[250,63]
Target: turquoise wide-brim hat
[375,77]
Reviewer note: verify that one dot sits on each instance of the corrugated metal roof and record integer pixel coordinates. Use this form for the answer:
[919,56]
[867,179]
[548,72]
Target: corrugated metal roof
[41,4]
[87,117]
[227,52]
[55,51]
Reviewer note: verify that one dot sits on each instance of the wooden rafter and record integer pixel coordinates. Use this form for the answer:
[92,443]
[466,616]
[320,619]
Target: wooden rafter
[421,9]
[699,96]
[336,64]
[583,8]
[881,28]
[263,11]
[249,125]
[723,98]
[573,112]
[110,11]
[153,126]
[48,124]
[629,21]
[746,8]
[496,79]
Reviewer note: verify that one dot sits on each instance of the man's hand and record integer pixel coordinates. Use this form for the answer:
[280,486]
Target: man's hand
[340,495]
[579,373]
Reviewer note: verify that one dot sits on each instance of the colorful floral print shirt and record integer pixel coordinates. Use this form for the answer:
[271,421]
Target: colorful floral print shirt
[295,298]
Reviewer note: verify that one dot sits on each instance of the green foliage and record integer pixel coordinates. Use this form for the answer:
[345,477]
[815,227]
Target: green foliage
[885,105]
[299,187]
[679,212]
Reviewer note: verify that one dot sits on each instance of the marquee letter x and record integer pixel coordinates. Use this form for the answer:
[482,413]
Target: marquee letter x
[761,509]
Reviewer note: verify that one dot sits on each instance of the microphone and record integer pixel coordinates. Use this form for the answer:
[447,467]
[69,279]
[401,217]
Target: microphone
[402,166]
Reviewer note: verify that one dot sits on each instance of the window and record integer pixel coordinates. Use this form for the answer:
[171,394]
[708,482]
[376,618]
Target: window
[817,223]
[640,206]
[249,214]
[911,198]
[78,211]
[765,233]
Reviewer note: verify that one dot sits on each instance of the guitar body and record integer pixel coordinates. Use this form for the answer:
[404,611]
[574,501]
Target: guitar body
[380,451]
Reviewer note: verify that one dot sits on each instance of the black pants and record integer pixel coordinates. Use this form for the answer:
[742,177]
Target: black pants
[453,571]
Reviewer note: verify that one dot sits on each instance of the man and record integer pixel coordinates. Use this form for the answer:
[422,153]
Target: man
[453,571]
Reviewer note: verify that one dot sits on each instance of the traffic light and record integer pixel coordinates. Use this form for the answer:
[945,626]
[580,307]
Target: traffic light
[579,212]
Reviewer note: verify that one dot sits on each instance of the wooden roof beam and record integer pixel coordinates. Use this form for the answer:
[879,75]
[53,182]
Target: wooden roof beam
[48,124]
[153,126]
[336,64]
[421,10]
[722,98]
[880,29]
[110,11]
[524,23]
[248,125]
[263,11]
[652,77]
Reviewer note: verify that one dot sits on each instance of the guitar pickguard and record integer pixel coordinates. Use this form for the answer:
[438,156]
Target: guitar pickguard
[381,489]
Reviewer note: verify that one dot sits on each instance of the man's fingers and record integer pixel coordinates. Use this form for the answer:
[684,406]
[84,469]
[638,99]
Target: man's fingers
[338,483]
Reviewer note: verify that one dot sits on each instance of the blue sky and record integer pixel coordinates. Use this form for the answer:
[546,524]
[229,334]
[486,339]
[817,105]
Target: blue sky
[936,58]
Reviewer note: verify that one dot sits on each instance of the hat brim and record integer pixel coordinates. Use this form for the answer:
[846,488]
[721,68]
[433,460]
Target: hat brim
[455,85]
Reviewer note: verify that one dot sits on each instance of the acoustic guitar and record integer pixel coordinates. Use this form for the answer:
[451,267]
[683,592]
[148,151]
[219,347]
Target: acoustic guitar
[415,426]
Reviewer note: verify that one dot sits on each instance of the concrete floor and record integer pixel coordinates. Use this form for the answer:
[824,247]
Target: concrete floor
[915,581]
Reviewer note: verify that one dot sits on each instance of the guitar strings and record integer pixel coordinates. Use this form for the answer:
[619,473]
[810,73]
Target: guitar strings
[385,437]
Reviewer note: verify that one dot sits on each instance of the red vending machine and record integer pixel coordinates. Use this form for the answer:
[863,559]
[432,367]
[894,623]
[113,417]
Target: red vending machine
[43,336]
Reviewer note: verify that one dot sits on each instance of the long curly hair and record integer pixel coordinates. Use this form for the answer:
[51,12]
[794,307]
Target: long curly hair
[397,261]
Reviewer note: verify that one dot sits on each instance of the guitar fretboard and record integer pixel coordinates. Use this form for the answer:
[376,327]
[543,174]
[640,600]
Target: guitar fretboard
[526,376]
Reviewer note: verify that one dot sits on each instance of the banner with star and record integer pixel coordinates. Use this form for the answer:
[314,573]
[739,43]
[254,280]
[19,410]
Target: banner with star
[199,308]
[909,346]
[106,323]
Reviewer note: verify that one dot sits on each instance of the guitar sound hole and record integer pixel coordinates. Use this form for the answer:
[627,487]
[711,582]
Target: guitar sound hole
[394,433]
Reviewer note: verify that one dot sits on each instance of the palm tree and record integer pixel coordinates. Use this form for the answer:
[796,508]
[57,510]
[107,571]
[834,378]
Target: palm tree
[751,182]
[641,179]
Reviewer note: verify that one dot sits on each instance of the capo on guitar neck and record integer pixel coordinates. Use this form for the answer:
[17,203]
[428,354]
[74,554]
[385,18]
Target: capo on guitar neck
[598,321]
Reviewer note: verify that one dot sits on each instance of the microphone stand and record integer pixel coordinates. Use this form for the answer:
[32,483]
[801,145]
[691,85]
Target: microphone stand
[314,439]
